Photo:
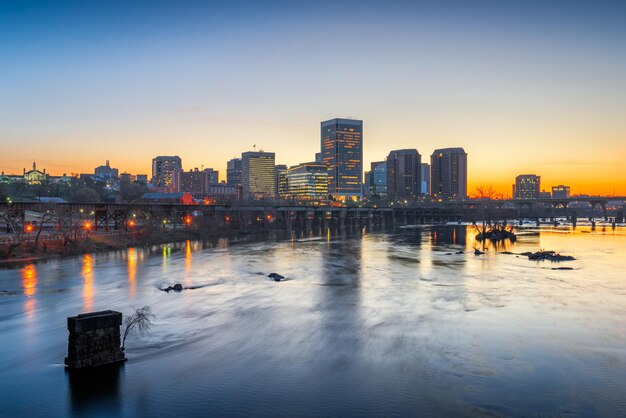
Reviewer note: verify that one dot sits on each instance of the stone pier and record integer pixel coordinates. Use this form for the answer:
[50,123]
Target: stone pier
[94,339]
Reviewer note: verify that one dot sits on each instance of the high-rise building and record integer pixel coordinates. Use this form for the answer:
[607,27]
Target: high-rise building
[279,170]
[527,186]
[318,157]
[163,168]
[425,178]
[307,181]
[448,173]
[404,174]
[560,192]
[378,178]
[258,174]
[342,153]
[233,172]
[212,177]
[192,181]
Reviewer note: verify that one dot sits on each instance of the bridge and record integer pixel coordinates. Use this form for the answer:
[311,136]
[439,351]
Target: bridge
[115,217]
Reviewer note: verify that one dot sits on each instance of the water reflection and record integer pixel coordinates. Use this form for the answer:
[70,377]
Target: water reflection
[29,284]
[88,289]
[132,270]
[94,389]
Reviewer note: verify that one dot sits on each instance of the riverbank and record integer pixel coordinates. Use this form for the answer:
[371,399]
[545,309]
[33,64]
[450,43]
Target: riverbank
[47,250]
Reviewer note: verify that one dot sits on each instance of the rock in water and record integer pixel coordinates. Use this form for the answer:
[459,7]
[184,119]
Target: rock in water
[277,277]
[177,287]
[478,252]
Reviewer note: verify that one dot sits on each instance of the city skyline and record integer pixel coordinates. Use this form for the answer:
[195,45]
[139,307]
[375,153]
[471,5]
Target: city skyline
[519,87]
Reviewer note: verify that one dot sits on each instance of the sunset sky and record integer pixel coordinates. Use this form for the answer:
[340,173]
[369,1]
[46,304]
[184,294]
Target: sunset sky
[525,87]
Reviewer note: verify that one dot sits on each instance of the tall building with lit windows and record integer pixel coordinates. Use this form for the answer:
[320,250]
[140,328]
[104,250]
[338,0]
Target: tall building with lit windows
[448,173]
[527,186]
[163,169]
[404,172]
[306,181]
[258,174]
[342,153]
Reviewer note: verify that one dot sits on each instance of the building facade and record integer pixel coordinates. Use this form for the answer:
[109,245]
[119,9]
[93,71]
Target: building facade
[163,169]
[105,172]
[378,178]
[560,192]
[404,169]
[258,174]
[306,181]
[233,172]
[527,186]
[448,173]
[425,171]
[342,153]
[279,176]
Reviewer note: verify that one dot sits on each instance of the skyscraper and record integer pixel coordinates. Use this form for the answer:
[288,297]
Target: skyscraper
[258,174]
[233,172]
[404,174]
[342,153]
[527,186]
[425,178]
[448,173]
[162,169]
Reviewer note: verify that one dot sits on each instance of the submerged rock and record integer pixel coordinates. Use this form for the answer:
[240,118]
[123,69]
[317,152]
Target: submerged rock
[478,252]
[277,277]
[562,268]
[176,288]
[548,255]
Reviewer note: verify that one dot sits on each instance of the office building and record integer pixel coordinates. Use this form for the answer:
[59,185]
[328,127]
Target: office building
[258,174]
[233,172]
[378,178]
[342,153]
[404,174]
[279,171]
[560,192]
[163,168]
[425,171]
[448,173]
[306,181]
[527,186]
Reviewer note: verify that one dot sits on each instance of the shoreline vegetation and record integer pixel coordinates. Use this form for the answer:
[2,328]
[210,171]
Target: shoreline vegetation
[26,252]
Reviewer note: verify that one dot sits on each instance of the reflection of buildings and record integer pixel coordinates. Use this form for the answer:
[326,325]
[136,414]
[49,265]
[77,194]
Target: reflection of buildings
[526,186]
[449,235]
[88,291]
[448,173]
[342,152]
[404,174]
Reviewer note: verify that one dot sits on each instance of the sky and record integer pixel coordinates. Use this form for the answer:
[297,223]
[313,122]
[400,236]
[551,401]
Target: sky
[525,87]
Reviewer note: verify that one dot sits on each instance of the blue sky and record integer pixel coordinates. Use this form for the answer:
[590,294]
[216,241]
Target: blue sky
[81,82]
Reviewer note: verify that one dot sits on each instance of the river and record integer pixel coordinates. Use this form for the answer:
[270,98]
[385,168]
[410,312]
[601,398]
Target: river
[397,323]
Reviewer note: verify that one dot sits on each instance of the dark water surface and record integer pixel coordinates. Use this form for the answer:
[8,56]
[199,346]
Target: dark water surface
[376,324]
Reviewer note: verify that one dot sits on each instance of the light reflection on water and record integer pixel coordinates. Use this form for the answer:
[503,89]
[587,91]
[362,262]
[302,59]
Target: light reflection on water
[393,324]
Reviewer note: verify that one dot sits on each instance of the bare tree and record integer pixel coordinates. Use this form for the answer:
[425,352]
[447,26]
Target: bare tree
[47,215]
[139,321]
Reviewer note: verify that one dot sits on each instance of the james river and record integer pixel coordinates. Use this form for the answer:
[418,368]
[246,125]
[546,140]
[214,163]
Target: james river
[371,324]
